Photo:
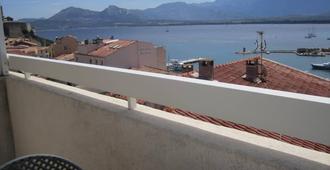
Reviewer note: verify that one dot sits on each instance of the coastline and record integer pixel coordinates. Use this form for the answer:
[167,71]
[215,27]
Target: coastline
[182,24]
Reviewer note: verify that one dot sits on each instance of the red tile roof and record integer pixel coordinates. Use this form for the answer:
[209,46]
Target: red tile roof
[111,47]
[279,77]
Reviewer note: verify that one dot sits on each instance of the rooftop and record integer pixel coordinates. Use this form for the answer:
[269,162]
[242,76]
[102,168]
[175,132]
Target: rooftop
[66,57]
[111,47]
[279,77]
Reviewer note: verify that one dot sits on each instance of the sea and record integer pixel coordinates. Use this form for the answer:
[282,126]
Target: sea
[219,42]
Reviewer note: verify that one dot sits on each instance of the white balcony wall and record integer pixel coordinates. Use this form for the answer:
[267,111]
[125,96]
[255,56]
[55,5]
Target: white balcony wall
[99,132]
[298,115]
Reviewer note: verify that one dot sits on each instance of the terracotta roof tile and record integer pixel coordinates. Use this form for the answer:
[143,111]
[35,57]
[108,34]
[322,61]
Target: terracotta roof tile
[280,77]
[111,47]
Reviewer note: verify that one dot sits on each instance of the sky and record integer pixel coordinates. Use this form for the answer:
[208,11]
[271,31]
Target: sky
[46,8]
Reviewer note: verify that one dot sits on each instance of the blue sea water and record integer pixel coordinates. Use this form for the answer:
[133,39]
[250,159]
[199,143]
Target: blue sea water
[220,42]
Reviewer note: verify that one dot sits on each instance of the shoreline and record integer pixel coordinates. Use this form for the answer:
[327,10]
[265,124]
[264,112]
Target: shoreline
[184,24]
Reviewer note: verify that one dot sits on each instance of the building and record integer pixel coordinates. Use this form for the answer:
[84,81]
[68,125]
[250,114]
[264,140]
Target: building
[64,45]
[15,29]
[12,42]
[25,46]
[122,53]
[30,51]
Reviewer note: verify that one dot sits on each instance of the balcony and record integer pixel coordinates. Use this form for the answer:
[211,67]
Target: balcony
[102,132]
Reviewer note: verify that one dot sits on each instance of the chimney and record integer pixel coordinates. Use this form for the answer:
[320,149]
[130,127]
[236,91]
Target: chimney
[206,69]
[254,71]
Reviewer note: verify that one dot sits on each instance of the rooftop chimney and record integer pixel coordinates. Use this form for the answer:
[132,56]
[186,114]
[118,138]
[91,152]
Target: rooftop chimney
[255,72]
[206,69]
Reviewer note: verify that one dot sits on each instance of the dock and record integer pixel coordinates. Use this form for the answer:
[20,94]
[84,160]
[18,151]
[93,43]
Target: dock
[268,52]
[300,52]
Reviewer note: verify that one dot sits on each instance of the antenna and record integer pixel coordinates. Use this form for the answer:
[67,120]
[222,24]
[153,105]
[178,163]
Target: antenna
[262,45]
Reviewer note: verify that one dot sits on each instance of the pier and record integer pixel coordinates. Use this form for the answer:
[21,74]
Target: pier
[321,52]
[268,52]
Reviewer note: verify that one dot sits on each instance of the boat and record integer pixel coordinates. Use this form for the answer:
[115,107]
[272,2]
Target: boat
[310,35]
[167,29]
[323,66]
[328,38]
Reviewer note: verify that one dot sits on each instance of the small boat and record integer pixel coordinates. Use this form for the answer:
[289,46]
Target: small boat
[323,66]
[328,38]
[310,35]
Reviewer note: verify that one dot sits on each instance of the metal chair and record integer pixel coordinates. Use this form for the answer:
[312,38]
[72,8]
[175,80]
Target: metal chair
[40,162]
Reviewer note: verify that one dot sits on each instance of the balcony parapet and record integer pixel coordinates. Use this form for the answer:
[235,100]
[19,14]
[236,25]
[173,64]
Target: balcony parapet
[100,132]
[294,114]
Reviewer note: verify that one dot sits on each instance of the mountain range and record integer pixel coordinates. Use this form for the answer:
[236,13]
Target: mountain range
[184,13]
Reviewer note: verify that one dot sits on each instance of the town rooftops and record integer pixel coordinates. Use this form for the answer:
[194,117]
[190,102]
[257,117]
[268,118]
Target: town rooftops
[13,42]
[279,77]
[111,47]
[25,50]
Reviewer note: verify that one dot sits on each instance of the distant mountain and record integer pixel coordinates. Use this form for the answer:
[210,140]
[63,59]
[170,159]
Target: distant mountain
[238,9]
[110,14]
[74,14]
[180,12]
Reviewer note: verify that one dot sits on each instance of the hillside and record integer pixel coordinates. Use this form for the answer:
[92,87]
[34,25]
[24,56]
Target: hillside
[218,11]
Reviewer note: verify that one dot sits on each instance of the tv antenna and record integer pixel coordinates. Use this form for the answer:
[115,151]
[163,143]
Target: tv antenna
[261,45]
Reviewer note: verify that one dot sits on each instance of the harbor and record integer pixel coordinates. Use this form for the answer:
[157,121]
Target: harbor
[222,41]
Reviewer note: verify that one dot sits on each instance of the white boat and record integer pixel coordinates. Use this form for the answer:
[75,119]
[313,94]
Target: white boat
[310,35]
[323,66]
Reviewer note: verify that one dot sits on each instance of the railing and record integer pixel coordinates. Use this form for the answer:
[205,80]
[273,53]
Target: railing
[299,115]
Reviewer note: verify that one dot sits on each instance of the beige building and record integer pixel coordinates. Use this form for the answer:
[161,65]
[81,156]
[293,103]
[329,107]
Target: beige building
[122,53]
[64,45]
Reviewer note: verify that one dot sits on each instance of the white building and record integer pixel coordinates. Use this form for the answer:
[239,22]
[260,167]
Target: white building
[122,53]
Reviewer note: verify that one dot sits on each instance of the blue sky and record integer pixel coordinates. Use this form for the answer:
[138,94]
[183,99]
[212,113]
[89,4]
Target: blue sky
[46,8]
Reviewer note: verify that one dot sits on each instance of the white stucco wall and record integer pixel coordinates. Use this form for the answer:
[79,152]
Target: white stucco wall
[148,54]
[99,132]
[136,55]
[125,57]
